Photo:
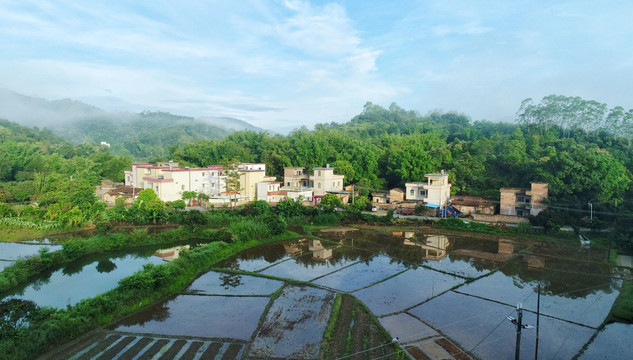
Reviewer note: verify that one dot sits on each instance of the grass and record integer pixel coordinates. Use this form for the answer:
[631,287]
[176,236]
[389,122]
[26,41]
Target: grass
[331,327]
[622,309]
[15,234]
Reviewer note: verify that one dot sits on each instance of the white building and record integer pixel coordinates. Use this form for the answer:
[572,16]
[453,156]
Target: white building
[435,192]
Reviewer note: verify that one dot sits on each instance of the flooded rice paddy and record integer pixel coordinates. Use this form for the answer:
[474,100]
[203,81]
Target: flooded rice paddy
[10,252]
[87,277]
[443,296]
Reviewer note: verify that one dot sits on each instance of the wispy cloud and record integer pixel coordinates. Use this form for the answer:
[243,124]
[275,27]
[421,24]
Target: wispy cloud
[299,61]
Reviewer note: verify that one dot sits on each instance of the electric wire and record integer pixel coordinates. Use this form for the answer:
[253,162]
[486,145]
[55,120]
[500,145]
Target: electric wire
[481,314]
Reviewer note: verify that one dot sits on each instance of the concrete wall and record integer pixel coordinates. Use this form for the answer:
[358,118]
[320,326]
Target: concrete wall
[507,219]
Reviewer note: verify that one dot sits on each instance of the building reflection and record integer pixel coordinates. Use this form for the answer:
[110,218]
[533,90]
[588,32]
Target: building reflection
[294,248]
[319,252]
[435,247]
[171,253]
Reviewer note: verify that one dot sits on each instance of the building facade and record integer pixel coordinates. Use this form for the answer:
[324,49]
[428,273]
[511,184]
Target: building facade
[522,202]
[435,192]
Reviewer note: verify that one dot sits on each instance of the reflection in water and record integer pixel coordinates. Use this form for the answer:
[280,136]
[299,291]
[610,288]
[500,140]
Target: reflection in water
[171,254]
[293,248]
[507,247]
[319,252]
[73,268]
[105,266]
[434,246]
[230,280]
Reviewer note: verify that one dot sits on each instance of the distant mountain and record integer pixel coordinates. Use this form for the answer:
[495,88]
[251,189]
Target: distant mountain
[231,123]
[139,135]
[32,111]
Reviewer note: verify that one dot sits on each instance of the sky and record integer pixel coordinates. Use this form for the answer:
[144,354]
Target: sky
[284,64]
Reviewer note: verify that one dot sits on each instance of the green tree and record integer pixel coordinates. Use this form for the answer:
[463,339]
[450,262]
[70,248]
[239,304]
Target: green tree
[148,205]
[188,196]
[329,202]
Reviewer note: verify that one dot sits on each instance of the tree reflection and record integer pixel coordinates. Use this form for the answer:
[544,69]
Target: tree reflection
[231,280]
[105,266]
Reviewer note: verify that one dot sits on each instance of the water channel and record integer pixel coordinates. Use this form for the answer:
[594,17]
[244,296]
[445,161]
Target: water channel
[423,287]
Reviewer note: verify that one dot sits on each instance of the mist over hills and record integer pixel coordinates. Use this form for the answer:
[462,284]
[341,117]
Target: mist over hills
[137,134]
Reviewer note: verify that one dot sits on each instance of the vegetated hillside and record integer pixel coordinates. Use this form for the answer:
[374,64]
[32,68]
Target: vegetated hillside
[231,123]
[38,165]
[139,135]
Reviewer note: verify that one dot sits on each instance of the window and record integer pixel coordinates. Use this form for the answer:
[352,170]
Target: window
[319,185]
[288,183]
[412,192]
[203,185]
[319,173]
[182,187]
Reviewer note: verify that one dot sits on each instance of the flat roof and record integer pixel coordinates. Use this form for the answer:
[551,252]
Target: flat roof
[435,175]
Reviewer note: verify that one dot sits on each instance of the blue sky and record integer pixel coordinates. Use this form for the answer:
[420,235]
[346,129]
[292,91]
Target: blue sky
[283,64]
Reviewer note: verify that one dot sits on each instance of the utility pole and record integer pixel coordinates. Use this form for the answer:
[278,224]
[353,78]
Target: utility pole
[518,323]
[590,210]
[538,318]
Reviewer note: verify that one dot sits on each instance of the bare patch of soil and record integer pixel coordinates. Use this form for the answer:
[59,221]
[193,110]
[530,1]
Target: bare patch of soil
[456,352]
[416,353]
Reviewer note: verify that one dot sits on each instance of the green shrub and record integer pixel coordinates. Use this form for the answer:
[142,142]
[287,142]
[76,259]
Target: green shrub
[74,248]
[256,208]
[326,219]
[524,227]
[247,229]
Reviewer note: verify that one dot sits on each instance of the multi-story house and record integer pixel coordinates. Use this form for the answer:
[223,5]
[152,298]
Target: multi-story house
[321,181]
[435,192]
[522,202]
[324,180]
[170,181]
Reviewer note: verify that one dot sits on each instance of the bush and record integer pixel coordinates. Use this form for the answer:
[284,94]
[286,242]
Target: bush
[193,219]
[74,248]
[176,204]
[524,227]
[256,208]
[275,223]
[326,219]
[247,229]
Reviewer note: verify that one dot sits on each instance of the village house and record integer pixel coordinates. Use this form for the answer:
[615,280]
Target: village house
[322,181]
[435,192]
[382,198]
[522,202]
[468,205]
[170,181]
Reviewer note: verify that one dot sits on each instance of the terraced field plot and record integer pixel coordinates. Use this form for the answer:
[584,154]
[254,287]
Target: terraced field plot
[444,297]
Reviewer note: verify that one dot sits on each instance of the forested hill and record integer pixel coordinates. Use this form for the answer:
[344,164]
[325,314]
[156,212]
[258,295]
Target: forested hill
[38,165]
[383,148]
[141,136]
[138,135]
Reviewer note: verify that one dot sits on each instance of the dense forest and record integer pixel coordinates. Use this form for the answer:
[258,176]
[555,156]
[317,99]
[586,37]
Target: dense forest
[581,148]
[383,148]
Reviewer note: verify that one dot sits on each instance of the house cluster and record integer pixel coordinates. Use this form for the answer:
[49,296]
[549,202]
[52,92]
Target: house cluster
[169,181]
[435,193]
